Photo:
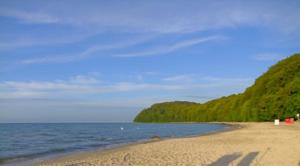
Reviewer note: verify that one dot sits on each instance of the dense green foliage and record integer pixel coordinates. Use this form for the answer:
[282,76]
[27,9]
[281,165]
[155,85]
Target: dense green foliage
[275,94]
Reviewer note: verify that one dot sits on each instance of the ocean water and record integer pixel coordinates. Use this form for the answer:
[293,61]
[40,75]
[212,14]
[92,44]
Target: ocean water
[25,142]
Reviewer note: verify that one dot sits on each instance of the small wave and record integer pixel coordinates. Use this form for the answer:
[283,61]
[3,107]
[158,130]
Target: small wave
[3,160]
[102,144]
[103,138]
[30,156]
[47,134]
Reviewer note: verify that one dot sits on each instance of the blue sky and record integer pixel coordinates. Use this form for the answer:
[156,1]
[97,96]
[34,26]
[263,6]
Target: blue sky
[103,61]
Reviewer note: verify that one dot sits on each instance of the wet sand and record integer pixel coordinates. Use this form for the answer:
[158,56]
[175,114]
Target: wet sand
[249,144]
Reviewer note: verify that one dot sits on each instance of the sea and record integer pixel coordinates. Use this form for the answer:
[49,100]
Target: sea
[26,143]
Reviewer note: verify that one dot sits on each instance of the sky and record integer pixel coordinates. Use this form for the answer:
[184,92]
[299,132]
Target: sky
[104,61]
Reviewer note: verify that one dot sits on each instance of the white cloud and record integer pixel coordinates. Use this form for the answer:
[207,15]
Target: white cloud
[139,77]
[222,79]
[86,98]
[81,79]
[69,88]
[268,57]
[84,86]
[77,85]
[130,86]
[183,78]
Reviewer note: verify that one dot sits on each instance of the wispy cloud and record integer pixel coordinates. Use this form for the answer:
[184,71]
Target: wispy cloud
[25,40]
[75,86]
[268,57]
[181,17]
[86,85]
[85,53]
[36,17]
[88,98]
[182,77]
[197,97]
[171,48]
[123,45]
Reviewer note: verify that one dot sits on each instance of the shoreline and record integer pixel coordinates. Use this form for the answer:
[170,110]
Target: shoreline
[54,156]
[100,151]
[247,144]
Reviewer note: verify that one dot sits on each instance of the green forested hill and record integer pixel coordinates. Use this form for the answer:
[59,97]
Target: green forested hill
[274,94]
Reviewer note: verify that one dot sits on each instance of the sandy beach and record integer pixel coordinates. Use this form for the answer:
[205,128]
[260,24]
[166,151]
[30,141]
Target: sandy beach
[249,144]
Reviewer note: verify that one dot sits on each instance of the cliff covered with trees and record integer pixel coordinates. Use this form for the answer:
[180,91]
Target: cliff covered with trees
[275,94]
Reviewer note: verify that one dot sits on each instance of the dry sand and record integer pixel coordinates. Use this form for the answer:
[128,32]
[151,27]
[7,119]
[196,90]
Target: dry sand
[252,144]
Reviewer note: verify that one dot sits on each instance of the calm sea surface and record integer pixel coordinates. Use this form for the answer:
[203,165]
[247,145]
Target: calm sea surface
[21,142]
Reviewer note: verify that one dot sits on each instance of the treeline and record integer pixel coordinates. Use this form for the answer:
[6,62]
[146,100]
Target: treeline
[275,94]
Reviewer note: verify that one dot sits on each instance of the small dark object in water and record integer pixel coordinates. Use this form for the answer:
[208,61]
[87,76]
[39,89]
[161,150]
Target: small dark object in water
[155,137]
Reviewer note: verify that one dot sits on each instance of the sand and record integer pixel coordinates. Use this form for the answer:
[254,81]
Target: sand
[250,144]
